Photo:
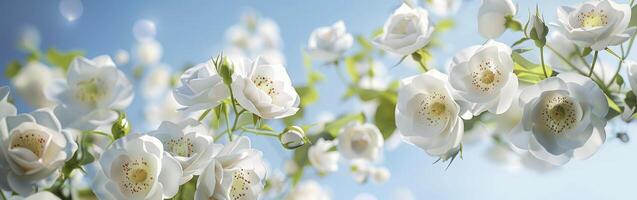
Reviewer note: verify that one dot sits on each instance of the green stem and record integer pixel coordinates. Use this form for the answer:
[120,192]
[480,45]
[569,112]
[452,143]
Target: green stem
[234,107]
[229,131]
[236,121]
[203,115]
[593,65]
[569,63]
[342,77]
[542,60]
[261,132]
[3,196]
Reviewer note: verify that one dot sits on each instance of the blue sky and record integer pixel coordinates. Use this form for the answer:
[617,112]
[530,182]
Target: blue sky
[192,31]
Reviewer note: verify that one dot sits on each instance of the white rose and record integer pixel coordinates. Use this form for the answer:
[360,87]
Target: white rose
[268,34]
[427,115]
[201,88]
[407,30]
[37,196]
[136,167]
[379,174]
[360,141]
[92,91]
[322,158]
[189,143]
[483,76]
[6,108]
[121,57]
[156,82]
[563,118]
[33,148]
[32,81]
[308,190]
[596,24]
[492,17]
[264,89]
[237,172]
[328,43]
[165,110]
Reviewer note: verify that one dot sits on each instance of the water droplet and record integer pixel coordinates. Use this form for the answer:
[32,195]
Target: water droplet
[71,9]
[144,30]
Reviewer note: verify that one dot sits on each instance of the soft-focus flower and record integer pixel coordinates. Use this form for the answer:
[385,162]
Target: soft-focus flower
[483,76]
[157,82]
[292,137]
[144,30]
[379,174]
[308,190]
[34,149]
[201,88]
[406,31]
[264,89]
[6,108]
[360,141]
[322,157]
[237,172]
[427,115]
[503,155]
[121,57]
[136,167]
[596,24]
[360,170]
[492,17]
[189,143]
[444,7]
[272,56]
[328,43]
[29,38]
[632,74]
[32,81]
[92,90]
[164,110]
[565,51]
[238,36]
[37,196]
[149,52]
[563,118]
[71,9]
[268,34]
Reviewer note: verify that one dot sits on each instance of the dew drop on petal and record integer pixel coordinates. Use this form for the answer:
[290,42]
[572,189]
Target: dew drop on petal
[144,30]
[71,9]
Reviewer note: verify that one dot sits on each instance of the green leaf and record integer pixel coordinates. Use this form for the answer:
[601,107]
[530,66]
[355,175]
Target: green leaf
[587,51]
[364,43]
[528,71]
[539,31]
[512,23]
[378,31]
[62,59]
[308,95]
[445,25]
[13,68]
[384,117]
[619,80]
[633,18]
[520,41]
[307,60]
[630,100]
[350,67]
[521,51]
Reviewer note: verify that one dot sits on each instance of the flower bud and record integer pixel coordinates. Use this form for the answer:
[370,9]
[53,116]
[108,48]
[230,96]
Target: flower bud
[225,69]
[292,137]
[121,127]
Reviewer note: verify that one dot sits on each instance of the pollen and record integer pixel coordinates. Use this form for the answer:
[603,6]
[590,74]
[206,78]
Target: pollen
[266,85]
[137,177]
[180,146]
[241,182]
[559,114]
[90,91]
[433,109]
[33,140]
[592,18]
[486,77]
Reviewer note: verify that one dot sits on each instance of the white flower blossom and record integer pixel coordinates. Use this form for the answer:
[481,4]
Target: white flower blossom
[201,88]
[492,17]
[136,167]
[596,24]
[236,172]
[34,149]
[483,76]
[563,118]
[407,30]
[444,7]
[32,81]
[37,196]
[92,91]
[427,115]
[361,141]
[330,42]
[322,158]
[308,190]
[189,143]
[264,89]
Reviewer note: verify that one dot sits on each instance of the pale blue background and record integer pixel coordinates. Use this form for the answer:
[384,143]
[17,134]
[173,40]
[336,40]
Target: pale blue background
[192,31]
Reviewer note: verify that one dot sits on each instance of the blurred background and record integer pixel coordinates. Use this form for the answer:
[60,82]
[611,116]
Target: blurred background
[168,35]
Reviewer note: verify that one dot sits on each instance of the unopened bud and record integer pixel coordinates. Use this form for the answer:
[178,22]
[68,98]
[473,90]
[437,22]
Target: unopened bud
[292,137]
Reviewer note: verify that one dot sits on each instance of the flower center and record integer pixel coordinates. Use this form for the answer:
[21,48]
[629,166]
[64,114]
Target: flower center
[137,177]
[32,140]
[592,18]
[265,84]
[241,182]
[402,27]
[487,77]
[433,109]
[360,145]
[559,114]
[181,146]
[90,91]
